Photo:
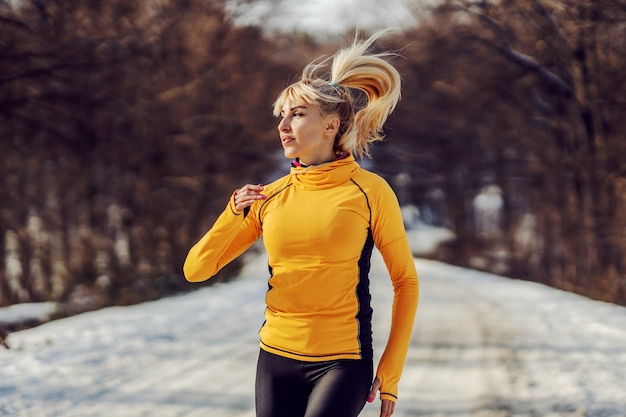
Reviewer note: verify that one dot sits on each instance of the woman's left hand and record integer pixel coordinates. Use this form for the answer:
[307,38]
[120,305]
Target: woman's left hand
[386,406]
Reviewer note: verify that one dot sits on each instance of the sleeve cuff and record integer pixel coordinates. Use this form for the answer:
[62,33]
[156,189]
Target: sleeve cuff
[231,204]
[388,396]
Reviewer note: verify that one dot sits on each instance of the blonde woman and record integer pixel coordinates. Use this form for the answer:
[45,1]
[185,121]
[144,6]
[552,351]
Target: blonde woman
[320,224]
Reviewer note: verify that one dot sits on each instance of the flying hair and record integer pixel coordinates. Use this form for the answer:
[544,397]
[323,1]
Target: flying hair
[356,73]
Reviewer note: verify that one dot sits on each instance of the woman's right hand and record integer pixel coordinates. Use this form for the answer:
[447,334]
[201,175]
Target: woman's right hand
[248,194]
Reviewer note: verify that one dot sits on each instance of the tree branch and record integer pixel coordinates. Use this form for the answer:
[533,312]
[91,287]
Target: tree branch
[530,64]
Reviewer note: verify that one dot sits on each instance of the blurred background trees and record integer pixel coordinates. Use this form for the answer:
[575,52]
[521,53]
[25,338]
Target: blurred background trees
[125,126]
[513,114]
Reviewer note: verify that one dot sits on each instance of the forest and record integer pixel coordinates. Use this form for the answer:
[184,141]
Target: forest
[125,126]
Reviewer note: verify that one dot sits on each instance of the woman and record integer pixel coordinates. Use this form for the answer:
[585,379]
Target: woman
[319,225]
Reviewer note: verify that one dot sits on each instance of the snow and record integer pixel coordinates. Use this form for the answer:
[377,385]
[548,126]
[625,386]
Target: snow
[488,209]
[483,345]
[20,313]
[425,239]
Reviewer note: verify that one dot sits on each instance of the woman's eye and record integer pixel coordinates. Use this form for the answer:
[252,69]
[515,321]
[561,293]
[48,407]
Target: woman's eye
[298,114]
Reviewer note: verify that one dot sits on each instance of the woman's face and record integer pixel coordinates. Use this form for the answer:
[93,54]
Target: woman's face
[306,133]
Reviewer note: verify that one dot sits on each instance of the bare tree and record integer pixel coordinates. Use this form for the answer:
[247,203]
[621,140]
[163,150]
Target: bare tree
[525,95]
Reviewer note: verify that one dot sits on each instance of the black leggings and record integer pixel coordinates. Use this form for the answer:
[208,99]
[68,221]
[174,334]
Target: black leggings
[291,388]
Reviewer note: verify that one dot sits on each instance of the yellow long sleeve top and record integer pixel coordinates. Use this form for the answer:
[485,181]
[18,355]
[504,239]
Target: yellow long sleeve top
[319,225]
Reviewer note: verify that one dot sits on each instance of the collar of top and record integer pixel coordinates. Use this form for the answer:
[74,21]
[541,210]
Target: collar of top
[327,175]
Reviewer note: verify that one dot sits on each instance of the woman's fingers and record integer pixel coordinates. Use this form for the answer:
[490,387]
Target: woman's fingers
[375,387]
[386,407]
[248,194]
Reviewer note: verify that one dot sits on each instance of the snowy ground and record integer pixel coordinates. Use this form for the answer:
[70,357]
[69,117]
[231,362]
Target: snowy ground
[483,346]
[20,313]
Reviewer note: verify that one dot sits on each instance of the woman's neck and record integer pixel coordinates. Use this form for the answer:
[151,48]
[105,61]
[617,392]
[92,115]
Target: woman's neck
[299,163]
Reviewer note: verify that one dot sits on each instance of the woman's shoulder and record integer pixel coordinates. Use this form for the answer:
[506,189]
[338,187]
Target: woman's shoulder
[374,185]
[369,178]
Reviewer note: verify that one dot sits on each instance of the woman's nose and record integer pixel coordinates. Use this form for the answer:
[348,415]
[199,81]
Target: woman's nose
[283,125]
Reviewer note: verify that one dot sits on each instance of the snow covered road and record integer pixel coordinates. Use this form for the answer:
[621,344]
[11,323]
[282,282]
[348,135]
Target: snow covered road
[484,346]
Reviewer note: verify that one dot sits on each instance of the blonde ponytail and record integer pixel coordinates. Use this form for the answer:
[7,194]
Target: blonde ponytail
[355,68]
[378,79]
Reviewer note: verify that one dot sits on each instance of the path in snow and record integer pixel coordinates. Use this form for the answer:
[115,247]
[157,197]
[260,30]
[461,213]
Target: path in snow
[483,346]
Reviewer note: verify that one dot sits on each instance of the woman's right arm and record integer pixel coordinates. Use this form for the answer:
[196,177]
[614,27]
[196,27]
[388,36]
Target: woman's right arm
[234,231]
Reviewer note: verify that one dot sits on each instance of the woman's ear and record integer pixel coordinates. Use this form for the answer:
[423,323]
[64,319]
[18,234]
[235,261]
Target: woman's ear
[332,125]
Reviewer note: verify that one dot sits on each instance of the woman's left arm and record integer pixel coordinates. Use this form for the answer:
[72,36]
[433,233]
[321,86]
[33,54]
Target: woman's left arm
[391,240]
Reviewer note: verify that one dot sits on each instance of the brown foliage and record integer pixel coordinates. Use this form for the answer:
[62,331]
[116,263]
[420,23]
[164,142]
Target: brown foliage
[125,128]
[526,95]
